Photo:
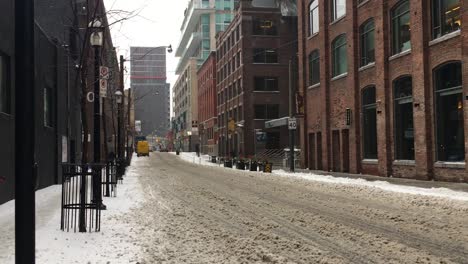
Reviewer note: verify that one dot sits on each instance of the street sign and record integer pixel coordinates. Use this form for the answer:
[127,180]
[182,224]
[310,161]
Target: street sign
[232,125]
[103,87]
[104,72]
[292,124]
[138,126]
[277,122]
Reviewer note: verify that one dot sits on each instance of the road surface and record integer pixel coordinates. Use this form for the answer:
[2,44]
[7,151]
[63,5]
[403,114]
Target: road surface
[199,214]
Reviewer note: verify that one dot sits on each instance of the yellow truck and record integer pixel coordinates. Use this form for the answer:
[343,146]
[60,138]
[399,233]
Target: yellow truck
[142,148]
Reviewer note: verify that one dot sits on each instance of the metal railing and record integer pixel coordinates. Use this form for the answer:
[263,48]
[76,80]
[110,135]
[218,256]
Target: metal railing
[81,197]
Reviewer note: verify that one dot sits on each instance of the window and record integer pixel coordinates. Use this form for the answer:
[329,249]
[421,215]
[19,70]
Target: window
[367,42]
[313,18]
[265,56]
[340,63]
[266,111]
[401,32]
[338,9]
[404,127]
[369,123]
[48,107]
[445,17]
[266,84]
[5,89]
[314,67]
[264,27]
[449,112]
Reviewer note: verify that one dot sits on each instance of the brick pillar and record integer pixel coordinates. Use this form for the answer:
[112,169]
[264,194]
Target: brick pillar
[383,89]
[325,76]
[464,39]
[353,86]
[422,89]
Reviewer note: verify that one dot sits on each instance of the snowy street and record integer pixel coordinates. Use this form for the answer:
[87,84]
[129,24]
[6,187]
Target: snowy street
[170,210]
[200,214]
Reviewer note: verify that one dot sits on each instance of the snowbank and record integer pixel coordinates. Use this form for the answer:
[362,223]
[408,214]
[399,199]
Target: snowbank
[382,185]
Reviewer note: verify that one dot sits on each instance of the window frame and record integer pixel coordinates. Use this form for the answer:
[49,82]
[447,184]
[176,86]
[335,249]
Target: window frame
[335,58]
[439,19]
[264,80]
[396,17]
[397,100]
[363,34]
[456,89]
[314,7]
[314,59]
[368,106]
[334,14]
[263,52]
[258,30]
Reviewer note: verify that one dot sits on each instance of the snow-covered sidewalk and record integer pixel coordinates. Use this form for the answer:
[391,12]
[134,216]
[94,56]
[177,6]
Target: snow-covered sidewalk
[356,182]
[114,244]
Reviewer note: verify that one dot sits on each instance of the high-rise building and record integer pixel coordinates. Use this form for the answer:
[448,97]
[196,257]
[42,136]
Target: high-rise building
[151,90]
[203,19]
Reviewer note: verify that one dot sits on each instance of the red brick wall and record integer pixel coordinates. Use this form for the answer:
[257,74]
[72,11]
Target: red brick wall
[326,103]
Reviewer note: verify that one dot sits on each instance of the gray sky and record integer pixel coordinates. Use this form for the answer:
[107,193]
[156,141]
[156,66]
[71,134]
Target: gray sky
[157,24]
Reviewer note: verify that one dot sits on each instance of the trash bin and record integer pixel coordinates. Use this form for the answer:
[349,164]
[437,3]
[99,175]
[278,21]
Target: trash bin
[177,152]
[241,165]
[253,166]
[228,163]
[213,159]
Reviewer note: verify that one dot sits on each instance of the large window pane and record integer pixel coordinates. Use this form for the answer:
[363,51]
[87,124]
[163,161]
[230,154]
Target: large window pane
[340,63]
[265,56]
[445,17]
[266,83]
[449,113]
[338,9]
[313,17]
[314,67]
[367,43]
[5,96]
[404,126]
[401,31]
[369,123]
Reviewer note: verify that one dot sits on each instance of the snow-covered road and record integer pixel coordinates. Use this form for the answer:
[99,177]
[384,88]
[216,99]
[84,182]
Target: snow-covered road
[201,214]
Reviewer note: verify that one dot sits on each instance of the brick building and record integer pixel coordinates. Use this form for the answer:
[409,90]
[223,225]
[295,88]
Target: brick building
[207,115]
[385,87]
[253,54]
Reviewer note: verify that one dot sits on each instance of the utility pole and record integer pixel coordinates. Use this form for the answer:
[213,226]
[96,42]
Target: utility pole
[291,115]
[25,165]
[129,130]
[119,111]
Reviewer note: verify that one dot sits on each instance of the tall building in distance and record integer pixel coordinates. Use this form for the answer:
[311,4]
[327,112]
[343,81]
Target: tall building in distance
[151,90]
[203,19]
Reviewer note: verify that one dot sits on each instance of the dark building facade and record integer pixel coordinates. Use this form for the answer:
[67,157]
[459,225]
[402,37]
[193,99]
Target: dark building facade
[253,55]
[207,112]
[58,120]
[385,87]
[152,92]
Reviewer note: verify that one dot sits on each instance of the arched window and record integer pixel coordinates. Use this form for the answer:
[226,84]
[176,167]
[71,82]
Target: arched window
[366,32]
[404,126]
[445,17]
[340,62]
[314,67]
[401,32]
[449,112]
[369,123]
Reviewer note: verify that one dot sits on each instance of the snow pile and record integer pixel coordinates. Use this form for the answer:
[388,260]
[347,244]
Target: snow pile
[114,244]
[382,185]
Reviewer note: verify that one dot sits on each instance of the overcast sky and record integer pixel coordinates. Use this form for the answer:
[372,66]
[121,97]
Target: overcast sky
[157,23]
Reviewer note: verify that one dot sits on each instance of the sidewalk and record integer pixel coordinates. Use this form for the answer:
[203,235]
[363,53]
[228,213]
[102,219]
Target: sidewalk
[115,243]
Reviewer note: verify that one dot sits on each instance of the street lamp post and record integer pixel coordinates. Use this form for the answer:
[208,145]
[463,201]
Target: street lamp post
[96,39]
[118,99]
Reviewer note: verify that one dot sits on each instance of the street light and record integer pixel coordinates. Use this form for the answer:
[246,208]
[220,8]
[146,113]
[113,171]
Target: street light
[96,40]
[118,98]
